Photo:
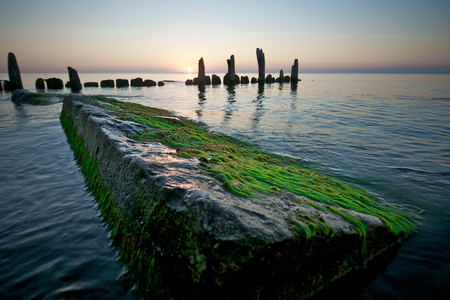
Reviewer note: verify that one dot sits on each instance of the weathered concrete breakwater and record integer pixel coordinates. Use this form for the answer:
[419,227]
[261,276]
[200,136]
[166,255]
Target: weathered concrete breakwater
[181,231]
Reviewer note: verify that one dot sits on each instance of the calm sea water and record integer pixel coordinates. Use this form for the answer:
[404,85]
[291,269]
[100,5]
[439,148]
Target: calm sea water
[387,133]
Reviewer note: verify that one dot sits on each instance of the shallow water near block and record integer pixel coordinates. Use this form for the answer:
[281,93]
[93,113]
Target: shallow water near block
[386,133]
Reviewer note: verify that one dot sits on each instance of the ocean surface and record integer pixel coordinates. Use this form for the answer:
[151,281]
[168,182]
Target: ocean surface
[386,133]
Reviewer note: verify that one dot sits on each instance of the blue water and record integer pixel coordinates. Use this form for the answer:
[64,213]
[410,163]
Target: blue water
[387,133]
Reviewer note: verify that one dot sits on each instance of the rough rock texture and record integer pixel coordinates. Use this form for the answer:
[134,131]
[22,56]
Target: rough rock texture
[294,72]
[26,97]
[244,80]
[1,86]
[75,83]
[40,84]
[189,82]
[261,65]
[54,83]
[196,239]
[122,83]
[14,73]
[107,83]
[254,80]
[161,83]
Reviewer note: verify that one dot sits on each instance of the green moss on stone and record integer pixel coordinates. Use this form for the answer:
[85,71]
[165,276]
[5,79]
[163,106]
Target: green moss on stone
[135,242]
[248,171]
[168,257]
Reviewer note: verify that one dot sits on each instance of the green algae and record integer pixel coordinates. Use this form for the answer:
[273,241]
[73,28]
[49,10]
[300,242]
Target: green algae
[166,255]
[247,171]
[125,237]
[39,98]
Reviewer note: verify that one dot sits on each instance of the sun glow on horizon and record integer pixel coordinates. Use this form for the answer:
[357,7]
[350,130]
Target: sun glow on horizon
[189,69]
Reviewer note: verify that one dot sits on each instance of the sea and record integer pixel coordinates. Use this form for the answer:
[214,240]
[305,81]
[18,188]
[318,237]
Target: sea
[386,133]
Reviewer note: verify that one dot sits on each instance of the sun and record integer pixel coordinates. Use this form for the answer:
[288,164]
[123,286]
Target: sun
[189,69]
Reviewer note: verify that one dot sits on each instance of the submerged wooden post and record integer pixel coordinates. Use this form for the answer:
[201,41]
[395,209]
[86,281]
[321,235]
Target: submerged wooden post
[294,72]
[261,65]
[75,83]
[281,76]
[201,72]
[14,73]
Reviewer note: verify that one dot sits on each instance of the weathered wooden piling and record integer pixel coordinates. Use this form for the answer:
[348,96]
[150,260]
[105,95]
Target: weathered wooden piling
[270,79]
[230,77]
[294,72]
[122,83]
[201,72]
[231,67]
[14,73]
[40,84]
[261,65]
[107,83]
[281,79]
[216,79]
[137,82]
[91,84]
[75,83]
[149,82]
[54,83]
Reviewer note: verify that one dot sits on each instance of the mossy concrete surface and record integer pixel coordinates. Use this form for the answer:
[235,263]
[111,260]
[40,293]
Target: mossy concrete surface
[22,96]
[185,233]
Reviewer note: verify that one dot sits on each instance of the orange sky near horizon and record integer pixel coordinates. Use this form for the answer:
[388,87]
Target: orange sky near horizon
[152,36]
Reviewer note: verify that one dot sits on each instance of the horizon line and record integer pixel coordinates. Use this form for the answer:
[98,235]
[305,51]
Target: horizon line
[393,71]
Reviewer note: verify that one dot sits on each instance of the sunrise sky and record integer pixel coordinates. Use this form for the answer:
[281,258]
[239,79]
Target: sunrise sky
[170,36]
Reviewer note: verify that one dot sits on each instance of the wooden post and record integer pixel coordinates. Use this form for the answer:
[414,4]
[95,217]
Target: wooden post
[201,72]
[14,73]
[294,72]
[261,65]
[75,83]
[231,69]
[281,76]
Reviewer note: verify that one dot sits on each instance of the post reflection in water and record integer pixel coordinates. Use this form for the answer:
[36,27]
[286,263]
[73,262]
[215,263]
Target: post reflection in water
[294,97]
[294,86]
[201,100]
[260,110]
[230,108]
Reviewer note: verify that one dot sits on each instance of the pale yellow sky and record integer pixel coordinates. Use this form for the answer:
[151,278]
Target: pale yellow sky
[158,36]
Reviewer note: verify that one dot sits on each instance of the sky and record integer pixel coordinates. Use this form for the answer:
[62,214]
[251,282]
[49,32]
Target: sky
[170,36]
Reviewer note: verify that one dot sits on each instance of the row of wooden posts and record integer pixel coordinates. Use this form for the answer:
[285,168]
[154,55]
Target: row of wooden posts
[15,81]
[231,78]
